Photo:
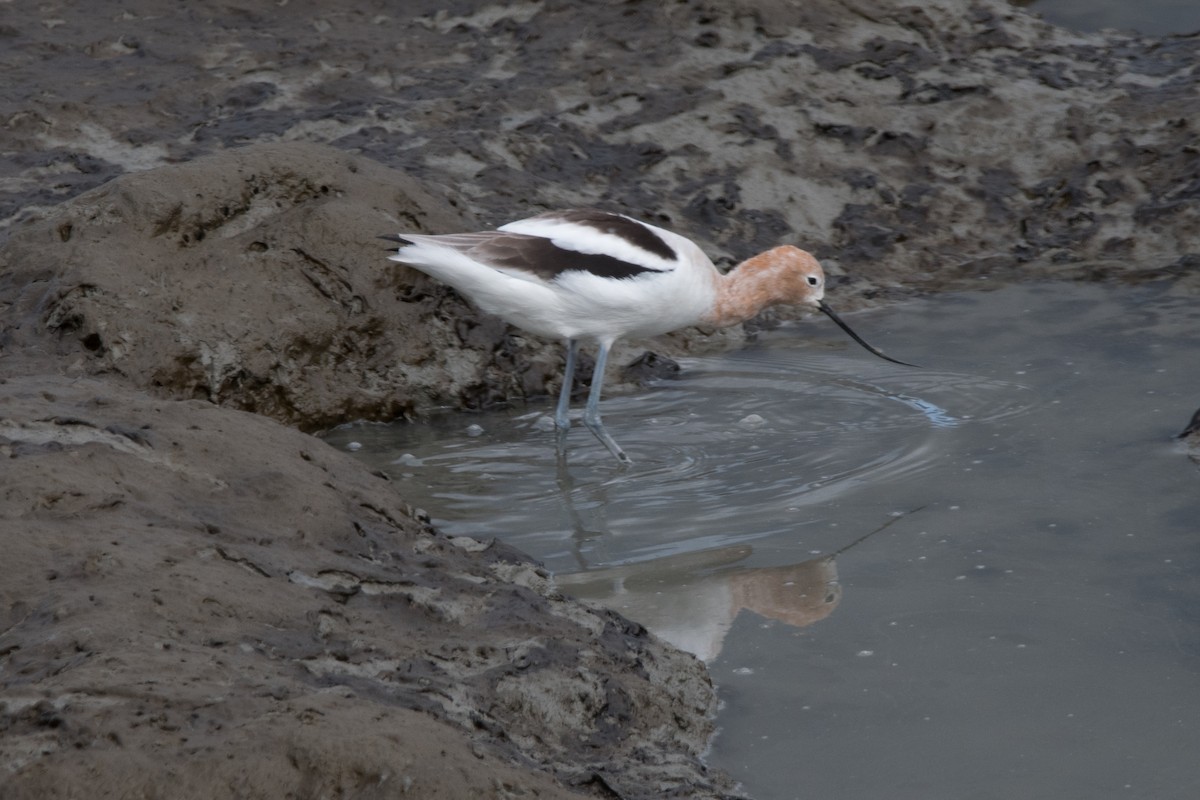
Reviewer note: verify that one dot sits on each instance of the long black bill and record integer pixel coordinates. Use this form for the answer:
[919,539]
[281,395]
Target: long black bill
[829,313]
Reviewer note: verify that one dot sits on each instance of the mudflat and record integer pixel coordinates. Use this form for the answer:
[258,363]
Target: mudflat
[198,598]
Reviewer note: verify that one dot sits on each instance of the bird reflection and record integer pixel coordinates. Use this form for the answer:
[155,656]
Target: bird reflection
[691,600]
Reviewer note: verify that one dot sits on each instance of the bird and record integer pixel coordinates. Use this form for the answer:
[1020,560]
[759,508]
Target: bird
[587,275]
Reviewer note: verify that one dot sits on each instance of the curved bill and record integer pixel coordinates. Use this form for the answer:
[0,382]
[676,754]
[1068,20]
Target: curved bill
[829,313]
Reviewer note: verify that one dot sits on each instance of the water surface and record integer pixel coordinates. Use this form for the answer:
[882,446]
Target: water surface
[976,579]
[1151,17]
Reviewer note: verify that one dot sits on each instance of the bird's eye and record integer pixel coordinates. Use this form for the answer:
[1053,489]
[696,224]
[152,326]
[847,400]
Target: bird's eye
[813,280]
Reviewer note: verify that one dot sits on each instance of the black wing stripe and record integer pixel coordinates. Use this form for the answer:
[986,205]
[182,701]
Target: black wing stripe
[625,228]
[541,257]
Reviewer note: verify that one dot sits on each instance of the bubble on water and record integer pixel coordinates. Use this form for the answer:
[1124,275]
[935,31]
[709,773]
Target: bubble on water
[474,430]
[408,460]
[354,447]
[752,421]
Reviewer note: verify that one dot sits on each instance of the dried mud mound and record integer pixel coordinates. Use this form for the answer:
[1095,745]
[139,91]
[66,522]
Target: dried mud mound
[255,279]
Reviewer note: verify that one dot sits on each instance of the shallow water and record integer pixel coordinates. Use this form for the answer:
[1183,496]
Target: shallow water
[1015,610]
[1151,17]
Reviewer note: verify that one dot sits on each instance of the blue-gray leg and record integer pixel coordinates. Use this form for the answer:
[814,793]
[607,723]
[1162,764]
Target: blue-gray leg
[562,413]
[591,413]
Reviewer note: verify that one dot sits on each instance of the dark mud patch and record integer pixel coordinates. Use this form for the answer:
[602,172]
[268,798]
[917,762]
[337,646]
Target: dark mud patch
[905,145]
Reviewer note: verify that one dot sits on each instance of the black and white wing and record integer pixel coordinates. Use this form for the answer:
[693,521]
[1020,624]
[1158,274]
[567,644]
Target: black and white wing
[582,240]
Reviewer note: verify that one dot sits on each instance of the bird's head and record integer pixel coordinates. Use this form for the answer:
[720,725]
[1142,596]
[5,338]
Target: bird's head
[799,280]
[793,275]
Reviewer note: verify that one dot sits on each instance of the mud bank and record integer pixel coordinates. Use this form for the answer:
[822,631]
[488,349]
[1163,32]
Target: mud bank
[196,600]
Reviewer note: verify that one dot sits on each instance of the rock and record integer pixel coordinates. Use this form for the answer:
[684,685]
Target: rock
[650,367]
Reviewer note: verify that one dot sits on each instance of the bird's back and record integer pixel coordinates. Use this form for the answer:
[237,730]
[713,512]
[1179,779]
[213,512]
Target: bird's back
[573,274]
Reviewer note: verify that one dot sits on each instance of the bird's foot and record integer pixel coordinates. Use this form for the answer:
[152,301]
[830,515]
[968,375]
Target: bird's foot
[601,433]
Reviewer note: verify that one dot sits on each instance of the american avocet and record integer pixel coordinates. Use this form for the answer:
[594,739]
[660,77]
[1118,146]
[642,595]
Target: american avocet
[587,274]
